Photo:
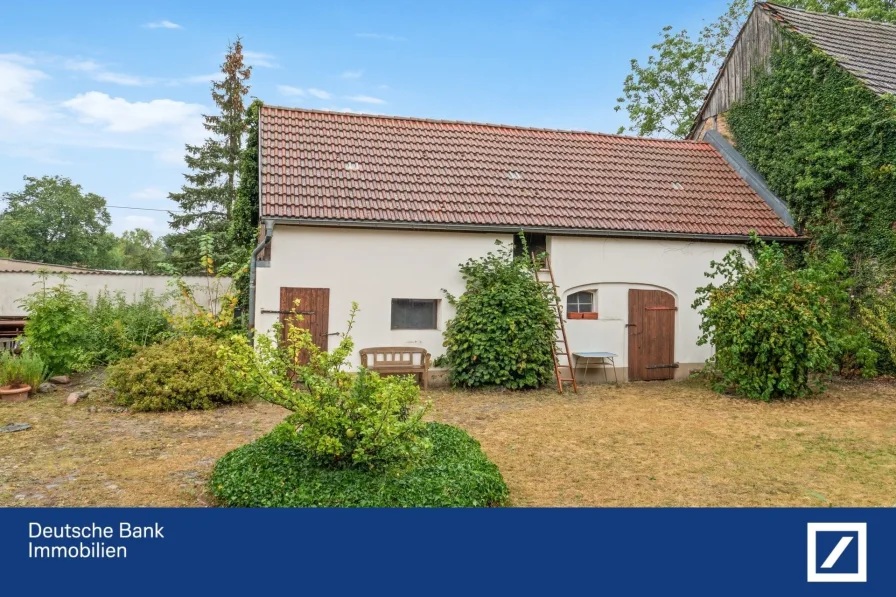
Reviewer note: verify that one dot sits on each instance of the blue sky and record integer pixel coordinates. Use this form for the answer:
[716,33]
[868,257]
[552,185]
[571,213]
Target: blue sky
[108,93]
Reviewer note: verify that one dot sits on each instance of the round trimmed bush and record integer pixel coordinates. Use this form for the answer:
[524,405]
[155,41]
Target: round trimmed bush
[275,472]
[184,373]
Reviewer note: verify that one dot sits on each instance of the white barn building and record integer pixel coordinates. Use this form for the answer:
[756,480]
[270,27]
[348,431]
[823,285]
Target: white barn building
[382,210]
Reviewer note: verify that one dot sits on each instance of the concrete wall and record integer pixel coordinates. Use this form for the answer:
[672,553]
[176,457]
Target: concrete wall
[14,286]
[374,266]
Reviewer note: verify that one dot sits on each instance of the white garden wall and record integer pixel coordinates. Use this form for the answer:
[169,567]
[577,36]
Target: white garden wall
[373,266]
[14,286]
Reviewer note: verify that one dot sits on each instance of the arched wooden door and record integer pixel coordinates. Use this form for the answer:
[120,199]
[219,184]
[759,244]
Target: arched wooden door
[651,335]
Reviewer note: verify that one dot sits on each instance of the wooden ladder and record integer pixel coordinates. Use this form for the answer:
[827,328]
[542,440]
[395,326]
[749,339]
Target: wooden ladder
[560,346]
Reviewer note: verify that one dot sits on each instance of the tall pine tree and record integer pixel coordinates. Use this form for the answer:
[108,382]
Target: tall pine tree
[206,200]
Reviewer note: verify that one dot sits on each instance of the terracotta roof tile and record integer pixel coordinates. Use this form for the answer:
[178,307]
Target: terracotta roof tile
[338,166]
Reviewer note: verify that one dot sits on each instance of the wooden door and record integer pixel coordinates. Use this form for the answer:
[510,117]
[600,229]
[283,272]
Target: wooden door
[651,335]
[314,307]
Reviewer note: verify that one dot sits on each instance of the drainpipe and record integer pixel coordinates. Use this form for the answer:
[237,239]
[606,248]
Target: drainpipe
[268,232]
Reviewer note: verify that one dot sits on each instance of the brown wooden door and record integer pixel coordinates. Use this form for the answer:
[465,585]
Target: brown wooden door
[314,306]
[651,335]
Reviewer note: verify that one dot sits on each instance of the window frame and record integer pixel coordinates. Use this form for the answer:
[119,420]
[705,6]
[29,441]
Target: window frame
[579,304]
[435,313]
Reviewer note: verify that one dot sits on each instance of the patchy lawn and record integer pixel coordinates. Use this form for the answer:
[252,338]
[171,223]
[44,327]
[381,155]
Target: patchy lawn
[92,454]
[645,444]
[679,444]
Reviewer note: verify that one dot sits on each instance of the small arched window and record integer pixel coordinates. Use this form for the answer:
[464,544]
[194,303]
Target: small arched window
[580,302]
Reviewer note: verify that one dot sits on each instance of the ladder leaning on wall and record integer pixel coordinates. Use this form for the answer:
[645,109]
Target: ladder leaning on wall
[564,368]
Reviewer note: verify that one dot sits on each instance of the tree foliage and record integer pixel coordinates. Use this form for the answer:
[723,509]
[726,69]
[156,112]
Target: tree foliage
[137,250]
[53,221]
[244,224]
[502,331]
[340,420]
[773,327]
[207,200]
[663,95]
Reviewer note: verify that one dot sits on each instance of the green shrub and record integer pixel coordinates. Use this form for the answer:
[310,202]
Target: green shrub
[71,334]
[117,328]
[340,419]
[27,369]
[502,332]
[58,319]
[179,374]
[773,327]
[277,471]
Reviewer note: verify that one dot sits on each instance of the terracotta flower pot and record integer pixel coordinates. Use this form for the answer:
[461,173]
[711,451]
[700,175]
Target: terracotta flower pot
[589,315]
[574,315]
[9,394]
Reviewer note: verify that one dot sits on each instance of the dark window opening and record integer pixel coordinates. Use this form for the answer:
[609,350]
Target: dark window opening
[536,242]
[415,314]
[580,302]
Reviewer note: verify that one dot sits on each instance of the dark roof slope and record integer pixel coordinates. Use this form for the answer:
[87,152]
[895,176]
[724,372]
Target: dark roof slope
[867,49]
[336,166]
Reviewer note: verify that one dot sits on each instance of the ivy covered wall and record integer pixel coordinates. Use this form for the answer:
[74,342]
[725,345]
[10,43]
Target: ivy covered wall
[826,145]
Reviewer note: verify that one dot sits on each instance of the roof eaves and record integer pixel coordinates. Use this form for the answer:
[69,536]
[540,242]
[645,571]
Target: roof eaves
[510,229]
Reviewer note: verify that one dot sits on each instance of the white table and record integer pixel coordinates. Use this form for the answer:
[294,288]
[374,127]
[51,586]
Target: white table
[600,358]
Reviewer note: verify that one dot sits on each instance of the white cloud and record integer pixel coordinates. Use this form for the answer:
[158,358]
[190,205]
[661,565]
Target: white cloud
[148,194]
[381,36]
[119,115]
[162,25]
[146,222]
[352,74]
[18,102]
[98,72]
[319,93]
[365,99]
[290,90]
[260,59]
[197,79]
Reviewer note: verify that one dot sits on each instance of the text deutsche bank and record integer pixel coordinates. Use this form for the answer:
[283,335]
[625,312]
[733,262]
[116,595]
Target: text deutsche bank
[56,541]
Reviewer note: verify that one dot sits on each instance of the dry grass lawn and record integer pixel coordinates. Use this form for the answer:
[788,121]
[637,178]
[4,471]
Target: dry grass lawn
[647,444]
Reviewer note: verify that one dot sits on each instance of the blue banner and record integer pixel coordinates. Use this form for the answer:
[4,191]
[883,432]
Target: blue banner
[120,551]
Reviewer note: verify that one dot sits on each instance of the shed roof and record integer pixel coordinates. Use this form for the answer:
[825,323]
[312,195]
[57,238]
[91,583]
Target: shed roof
[334,167]
[867,49]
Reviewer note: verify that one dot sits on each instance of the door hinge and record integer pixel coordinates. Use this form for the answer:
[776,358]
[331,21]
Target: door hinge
[270,311]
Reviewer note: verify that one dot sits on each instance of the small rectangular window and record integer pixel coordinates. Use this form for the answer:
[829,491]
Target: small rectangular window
[415,314]
[580,302]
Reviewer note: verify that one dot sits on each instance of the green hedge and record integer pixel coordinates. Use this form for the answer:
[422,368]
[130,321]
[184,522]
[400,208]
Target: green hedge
[274,472]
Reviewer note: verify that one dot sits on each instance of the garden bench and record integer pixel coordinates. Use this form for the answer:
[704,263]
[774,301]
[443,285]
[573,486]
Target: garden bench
[400,360]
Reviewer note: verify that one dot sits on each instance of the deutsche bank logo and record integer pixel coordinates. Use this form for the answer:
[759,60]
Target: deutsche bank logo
[837,551]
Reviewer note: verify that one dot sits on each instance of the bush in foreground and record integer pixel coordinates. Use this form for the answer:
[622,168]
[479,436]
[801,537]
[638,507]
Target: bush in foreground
[277,471]
[180,374]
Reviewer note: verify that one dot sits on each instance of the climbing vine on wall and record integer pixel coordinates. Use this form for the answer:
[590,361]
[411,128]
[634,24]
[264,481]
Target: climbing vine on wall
[826,144]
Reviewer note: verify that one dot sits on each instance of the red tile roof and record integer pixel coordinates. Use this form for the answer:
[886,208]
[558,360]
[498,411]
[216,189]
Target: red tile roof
[375,169]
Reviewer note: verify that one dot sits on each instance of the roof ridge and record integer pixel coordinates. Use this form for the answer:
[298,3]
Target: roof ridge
[484,124]
[884,24]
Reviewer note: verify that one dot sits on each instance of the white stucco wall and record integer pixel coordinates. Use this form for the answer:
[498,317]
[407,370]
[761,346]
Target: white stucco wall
[612,267]
[14,286]
[370,267]
[374,266]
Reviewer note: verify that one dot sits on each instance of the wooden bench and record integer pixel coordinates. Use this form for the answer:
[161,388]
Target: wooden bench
[400,360]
